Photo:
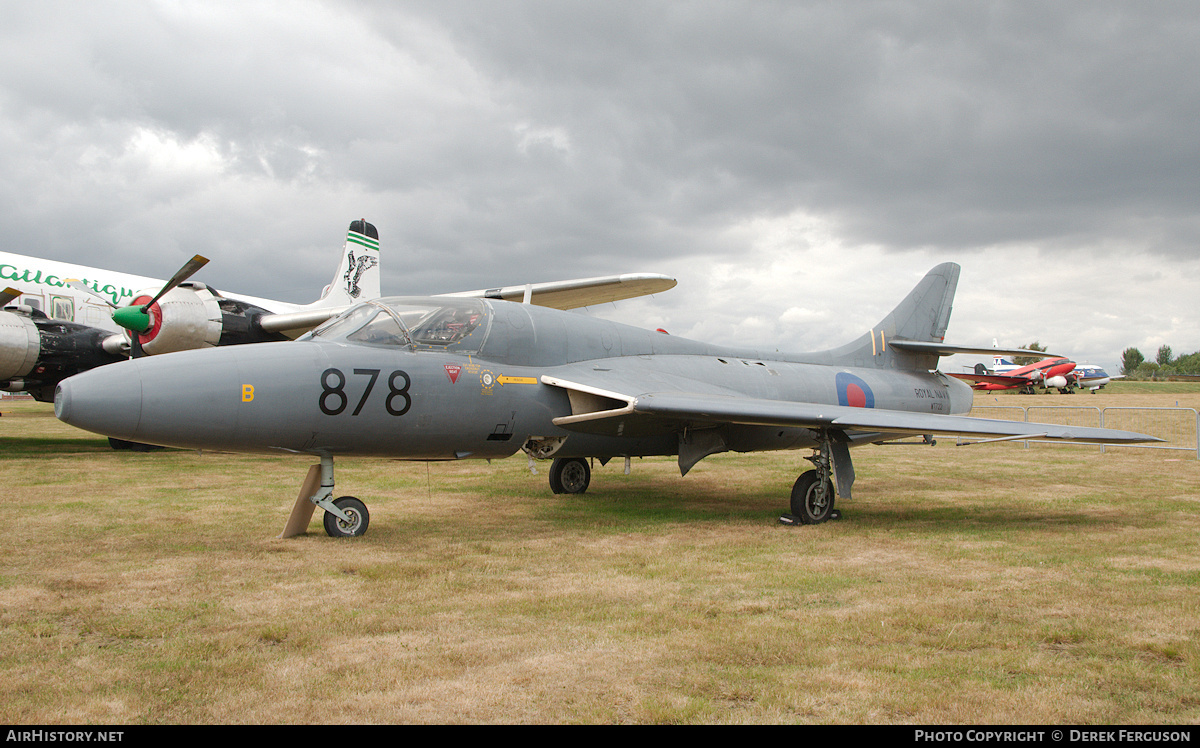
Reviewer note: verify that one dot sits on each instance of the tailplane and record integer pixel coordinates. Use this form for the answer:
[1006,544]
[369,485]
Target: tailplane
[357,276]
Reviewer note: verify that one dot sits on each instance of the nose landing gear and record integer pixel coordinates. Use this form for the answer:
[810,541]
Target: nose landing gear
[345,517]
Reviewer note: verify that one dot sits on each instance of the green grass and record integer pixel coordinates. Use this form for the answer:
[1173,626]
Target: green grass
[989,584]
[1129,386]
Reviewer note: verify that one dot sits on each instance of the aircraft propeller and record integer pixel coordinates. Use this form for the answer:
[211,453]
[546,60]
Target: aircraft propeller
[136,317]
[79,285]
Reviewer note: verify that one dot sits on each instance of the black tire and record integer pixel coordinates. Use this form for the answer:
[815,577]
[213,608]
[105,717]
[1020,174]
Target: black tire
[338,528]
[570,475]
[806,504]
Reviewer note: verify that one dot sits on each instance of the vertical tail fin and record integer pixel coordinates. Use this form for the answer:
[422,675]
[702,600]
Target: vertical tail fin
[922,316]
[357,276]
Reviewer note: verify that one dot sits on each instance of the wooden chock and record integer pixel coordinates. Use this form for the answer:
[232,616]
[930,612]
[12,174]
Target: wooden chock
[302,511]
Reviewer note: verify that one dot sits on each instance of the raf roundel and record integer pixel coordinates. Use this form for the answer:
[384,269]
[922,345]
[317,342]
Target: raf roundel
[853,391]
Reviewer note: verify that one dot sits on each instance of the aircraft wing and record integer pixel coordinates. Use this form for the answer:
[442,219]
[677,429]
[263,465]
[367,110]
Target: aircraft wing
[568,294]
[597,410]
[294,324]
[776,413]
[572,294]
[1003,379]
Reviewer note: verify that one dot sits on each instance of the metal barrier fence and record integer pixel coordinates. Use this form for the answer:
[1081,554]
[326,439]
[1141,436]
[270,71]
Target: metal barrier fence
[1180,427]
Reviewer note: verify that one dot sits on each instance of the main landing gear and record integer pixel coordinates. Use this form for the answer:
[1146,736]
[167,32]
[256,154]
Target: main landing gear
[813,492]
[570,475]
[345,517]
[812,499]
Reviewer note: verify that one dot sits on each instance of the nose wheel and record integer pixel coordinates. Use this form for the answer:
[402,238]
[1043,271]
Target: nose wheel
[357,518]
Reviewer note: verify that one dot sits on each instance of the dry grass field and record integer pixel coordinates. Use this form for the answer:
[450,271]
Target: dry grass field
[983,584]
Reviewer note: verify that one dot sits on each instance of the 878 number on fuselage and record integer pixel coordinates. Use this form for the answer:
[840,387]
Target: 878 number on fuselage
[334,400]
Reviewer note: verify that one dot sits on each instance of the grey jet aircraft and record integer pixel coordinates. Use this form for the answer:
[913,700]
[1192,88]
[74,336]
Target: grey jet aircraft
[441,378]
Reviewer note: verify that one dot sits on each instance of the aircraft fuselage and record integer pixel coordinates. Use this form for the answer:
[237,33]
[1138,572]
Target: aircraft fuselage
[329,396]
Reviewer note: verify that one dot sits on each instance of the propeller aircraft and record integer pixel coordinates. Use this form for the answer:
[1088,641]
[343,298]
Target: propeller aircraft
[1054,372]
[1049,373]
[444,378]
[1092,377]
[67,318]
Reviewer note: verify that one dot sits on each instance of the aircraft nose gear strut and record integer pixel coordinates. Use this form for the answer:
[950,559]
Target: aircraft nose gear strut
[813,492]
[345,516]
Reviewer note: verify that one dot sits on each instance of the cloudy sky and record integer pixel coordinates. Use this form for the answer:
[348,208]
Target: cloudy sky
[798,166]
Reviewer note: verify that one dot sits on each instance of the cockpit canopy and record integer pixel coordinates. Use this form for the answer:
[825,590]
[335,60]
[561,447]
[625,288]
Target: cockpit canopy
[459,325]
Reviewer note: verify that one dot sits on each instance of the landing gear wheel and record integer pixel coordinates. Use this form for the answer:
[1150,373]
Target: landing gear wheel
[808,503]
[569,475]
[359,518]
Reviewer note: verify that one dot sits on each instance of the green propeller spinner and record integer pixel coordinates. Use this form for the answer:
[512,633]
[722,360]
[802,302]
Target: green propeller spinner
[134,318]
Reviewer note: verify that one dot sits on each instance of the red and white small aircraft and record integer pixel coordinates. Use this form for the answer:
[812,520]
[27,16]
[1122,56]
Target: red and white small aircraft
[1050,373]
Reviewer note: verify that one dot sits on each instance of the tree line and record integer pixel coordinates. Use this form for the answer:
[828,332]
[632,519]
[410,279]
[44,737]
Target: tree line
[1135,366]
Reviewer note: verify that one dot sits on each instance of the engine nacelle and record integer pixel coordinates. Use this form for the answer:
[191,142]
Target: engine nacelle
[37,352]
[19,345]
[1057,381]
[194,316]
[185,317]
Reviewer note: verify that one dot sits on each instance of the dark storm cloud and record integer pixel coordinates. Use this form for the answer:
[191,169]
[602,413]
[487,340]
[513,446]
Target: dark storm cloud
[937,124]
[497,143]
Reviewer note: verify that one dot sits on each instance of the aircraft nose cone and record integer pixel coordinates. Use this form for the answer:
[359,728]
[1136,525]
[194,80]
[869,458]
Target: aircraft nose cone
[62,402]
[106,400]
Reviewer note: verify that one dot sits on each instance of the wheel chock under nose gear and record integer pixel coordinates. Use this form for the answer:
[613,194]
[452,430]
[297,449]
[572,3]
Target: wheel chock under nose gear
[302,511]
[344,517]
